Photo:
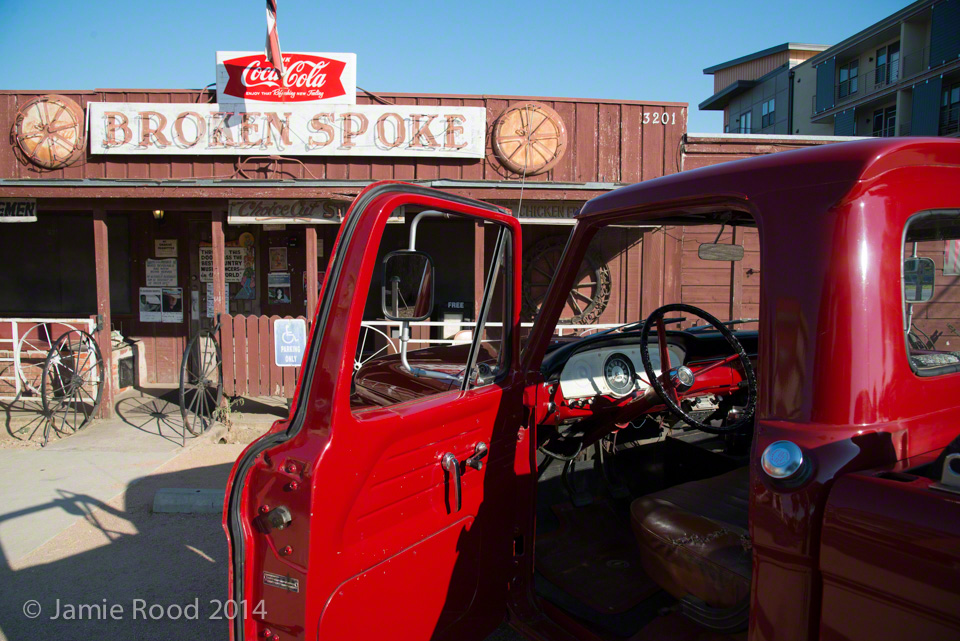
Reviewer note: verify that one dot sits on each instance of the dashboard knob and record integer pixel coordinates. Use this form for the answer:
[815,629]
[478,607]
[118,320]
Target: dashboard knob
[782,460]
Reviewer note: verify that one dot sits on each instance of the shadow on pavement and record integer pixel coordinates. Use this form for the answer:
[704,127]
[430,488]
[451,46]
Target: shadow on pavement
[154,414]
[161,560]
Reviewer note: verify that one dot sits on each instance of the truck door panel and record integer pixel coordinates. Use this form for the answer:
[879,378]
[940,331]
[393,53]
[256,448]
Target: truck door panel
[890,559]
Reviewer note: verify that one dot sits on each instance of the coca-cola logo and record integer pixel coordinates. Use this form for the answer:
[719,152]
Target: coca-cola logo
[307,78]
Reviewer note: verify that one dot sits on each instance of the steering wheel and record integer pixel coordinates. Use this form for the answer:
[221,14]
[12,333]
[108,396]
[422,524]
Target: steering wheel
[674,381]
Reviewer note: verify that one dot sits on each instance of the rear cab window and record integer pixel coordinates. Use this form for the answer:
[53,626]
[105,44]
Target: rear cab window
[931,292]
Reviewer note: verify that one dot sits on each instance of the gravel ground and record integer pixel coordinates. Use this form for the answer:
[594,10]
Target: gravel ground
[120,552]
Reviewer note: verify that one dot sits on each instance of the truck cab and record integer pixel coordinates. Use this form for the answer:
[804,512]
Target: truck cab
[682,476]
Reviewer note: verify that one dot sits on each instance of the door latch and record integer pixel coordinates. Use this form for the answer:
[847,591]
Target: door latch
[450,463]
[480,451]
[276,519]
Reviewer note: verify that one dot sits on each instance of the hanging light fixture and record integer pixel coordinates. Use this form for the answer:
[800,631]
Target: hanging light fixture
[158,214]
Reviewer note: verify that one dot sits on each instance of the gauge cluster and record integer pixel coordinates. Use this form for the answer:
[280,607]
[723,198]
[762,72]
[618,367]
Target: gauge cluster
[610,371]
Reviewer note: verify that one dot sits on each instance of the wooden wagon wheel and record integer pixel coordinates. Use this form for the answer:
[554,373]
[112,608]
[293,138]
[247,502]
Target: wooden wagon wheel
[201,381]
[49,131]
[72,386]
[588,297]
[529,138]
[372,344]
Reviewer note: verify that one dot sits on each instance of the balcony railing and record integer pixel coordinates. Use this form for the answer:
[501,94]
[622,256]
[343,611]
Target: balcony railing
[950,121]
[880,78]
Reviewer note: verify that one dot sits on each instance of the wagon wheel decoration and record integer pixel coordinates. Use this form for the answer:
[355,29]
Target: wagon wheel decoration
[529,138]
[30,355]
[49,131]
[72,385]
[589,296]
[372,344]
[201,382]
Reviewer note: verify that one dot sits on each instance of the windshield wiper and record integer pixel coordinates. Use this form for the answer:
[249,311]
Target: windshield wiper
[730,323]
[629,327]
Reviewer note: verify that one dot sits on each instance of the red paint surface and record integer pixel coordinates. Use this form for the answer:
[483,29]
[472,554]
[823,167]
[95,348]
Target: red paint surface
[833,378]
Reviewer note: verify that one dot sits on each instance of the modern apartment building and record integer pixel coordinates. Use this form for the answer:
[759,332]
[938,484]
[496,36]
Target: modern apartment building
[898,77]
[754,91]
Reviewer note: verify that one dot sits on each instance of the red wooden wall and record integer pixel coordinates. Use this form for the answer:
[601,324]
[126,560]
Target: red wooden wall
[609,141]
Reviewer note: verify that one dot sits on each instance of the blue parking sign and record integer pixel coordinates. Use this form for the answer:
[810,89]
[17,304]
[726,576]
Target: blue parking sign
[289,341]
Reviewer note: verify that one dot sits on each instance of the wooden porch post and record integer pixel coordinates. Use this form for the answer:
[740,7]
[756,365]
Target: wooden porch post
[219,265]
[311,273]
[101,260]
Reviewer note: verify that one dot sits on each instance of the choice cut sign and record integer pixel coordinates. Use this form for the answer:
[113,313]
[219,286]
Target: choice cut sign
[246,76]
[434,131]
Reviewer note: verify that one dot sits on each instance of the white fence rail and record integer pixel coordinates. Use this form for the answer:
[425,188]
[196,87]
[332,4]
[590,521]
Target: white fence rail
[25,346]
[465,330]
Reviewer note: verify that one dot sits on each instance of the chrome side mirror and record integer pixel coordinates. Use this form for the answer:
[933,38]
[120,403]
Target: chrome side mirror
[918,279]
[407,292]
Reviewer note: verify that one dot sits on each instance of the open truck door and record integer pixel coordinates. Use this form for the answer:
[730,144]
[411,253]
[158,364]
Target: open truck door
[385,506]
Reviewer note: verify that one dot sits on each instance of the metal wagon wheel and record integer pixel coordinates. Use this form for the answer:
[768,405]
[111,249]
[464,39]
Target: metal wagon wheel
[367,349]
[588,297]
[201,382]
[72,384]
[29,356]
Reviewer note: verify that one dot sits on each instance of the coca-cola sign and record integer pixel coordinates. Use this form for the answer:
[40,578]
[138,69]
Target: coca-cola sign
[246,76]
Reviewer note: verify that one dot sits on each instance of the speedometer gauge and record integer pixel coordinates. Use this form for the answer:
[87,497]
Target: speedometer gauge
[618,372]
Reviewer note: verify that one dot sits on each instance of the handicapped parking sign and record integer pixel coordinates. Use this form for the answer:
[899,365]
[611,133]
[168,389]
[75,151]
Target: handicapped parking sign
[289,341]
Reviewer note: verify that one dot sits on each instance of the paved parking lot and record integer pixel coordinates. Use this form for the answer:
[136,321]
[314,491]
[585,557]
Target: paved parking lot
[118,552]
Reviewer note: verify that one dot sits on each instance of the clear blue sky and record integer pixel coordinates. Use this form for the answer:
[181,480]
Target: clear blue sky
[636,50]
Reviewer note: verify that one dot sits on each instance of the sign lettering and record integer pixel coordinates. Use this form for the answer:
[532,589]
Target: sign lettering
[18,210]
[246,76]
[289,341]
[421,131]
[234,264]
[253,212]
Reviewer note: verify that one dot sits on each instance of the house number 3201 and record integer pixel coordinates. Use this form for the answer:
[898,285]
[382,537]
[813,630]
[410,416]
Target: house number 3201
[657,118]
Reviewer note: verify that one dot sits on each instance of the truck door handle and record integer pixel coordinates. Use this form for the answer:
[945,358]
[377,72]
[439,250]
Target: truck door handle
[474,461]
[450,463]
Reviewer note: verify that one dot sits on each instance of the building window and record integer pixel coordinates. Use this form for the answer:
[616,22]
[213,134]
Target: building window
[769,114]
[888,64]
[950,110]
[848,78]
[885,122]
[746,122]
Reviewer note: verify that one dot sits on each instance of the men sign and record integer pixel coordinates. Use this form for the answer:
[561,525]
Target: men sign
[18,210]
[289,341]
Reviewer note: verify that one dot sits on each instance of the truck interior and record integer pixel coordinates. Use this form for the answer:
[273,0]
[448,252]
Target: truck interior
[642,502]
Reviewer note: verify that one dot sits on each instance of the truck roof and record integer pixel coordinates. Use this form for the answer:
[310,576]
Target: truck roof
[699,193]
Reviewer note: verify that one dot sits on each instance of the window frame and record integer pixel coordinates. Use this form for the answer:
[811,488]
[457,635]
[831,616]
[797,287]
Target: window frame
[852,69]
[502,254]
[768,117]
[884,115]
[501,266]
[948,104]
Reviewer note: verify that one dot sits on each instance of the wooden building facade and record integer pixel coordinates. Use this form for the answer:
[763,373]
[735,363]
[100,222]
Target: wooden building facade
[107,226]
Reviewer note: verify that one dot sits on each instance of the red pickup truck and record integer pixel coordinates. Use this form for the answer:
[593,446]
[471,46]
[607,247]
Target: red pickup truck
[677,477]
